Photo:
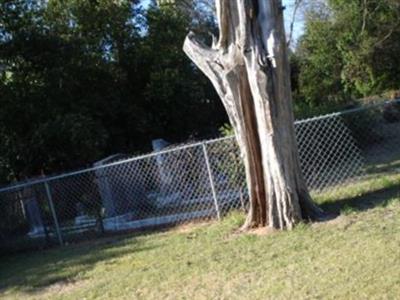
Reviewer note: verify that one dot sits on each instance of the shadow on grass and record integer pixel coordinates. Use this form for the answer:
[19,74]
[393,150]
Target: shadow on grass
[32,272]
[365,201]
[383,168]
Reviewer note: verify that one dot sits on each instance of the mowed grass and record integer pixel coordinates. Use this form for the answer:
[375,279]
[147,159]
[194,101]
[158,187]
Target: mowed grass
[354,256]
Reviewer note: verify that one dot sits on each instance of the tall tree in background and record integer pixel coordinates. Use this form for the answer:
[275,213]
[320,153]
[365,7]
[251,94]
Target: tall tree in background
[249,68]
[56,84]
[83,79]
[368,39]
[178,97]
[349,50]
[320,61]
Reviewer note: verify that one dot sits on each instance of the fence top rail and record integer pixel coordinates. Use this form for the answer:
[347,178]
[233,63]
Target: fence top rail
[91,169]
[348,111]
[43,180]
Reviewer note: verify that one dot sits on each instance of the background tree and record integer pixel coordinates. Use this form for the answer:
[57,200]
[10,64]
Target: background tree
[81,79]
[348,51]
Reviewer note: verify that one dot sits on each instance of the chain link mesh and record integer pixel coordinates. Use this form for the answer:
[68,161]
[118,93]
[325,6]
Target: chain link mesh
[198,181]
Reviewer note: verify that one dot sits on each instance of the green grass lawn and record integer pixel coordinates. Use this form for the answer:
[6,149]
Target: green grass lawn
[356,255]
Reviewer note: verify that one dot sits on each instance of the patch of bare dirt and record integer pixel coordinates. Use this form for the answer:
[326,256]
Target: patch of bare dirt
[189,227]
[262,231]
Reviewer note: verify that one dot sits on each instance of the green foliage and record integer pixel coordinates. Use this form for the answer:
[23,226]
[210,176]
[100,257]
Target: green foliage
[320,64]
[226,130]
[83,79]
[348,51]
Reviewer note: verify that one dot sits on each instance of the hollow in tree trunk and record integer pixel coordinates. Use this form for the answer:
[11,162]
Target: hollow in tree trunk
[248,66]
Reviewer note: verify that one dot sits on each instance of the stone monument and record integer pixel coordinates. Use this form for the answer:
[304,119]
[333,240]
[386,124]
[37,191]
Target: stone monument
[121,186]
[32,212]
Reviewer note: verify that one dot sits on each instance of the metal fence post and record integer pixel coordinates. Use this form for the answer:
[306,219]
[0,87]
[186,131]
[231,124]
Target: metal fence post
[210,176]
[53,213]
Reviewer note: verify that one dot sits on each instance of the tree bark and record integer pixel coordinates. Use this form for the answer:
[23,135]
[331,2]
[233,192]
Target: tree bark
[249,68]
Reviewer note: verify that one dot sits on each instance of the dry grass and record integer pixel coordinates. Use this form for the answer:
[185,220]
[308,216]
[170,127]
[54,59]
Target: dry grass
[355,256]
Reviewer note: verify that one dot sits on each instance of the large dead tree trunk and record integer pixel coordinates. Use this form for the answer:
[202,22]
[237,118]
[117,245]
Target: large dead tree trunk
[249,68]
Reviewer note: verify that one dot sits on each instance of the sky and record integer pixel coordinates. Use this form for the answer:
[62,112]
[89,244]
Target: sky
[298,25]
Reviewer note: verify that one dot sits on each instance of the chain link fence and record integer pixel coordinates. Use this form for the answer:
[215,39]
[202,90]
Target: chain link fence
[199,181]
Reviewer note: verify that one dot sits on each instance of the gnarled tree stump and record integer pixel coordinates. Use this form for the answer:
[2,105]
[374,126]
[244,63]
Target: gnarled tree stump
[248,66]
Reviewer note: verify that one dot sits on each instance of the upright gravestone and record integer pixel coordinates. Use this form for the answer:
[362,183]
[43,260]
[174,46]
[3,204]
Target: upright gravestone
[32,212]
[171,184]
[122,187]
[165,180]
[105,184]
